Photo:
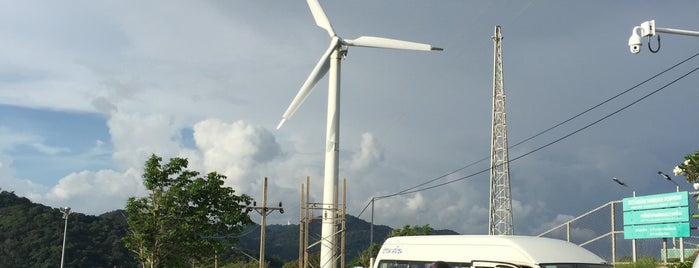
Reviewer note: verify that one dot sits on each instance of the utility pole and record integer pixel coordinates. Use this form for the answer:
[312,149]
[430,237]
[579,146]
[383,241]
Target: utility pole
[66,211]
[308,214]
[263,211]
[500,221]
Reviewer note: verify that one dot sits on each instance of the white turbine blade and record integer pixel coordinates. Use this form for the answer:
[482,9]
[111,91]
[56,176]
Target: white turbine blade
[320,17]
[316,75]
[380,42]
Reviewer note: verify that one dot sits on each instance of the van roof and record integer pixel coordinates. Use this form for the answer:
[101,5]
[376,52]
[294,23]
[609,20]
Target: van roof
[514,249]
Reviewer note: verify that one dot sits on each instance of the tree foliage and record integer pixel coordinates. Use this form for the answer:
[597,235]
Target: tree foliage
[364,258]
[411,230]
[689,168]
[185,217]
[31,235]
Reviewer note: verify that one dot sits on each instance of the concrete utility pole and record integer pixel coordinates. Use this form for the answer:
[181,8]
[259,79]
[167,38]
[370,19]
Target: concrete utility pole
[500,222]
[263,211]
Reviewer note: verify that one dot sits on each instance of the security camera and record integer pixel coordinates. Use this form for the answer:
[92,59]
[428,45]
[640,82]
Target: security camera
[635,41]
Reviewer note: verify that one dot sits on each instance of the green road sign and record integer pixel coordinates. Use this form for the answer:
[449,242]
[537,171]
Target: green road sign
[662,215]
[656,216]
[675,199]
[664,230]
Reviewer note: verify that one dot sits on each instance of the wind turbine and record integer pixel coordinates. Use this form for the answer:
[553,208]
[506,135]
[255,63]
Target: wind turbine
[330,62]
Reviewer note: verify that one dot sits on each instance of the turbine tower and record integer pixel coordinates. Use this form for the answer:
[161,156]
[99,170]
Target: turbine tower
[330,63]
[500,222]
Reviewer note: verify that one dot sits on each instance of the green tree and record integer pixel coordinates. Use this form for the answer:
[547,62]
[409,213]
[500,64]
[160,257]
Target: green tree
[364,258]
[411,230]
[689,168]
[185,217]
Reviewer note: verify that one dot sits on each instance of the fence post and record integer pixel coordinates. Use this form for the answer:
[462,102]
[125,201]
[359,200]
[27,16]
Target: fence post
[613,234]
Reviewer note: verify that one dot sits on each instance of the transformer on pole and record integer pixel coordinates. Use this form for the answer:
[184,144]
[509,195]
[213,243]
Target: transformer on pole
[500,221]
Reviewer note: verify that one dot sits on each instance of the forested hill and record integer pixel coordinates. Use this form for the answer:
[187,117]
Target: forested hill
[31,235]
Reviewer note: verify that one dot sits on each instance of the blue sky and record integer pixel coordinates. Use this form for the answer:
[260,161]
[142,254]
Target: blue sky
[89,90]
[63,151]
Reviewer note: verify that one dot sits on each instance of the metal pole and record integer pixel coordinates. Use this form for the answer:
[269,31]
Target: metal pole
[306,224]
[665,251]
[633,193]
[66,212]
[344,223]
[301,228]
[633,241]
[613,235]
[677,189]
[371,235]
[263,224]
[676,31]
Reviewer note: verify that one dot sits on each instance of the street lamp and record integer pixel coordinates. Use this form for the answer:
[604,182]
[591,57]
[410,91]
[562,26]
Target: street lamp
[618,181]
[666,177]
[633,193]
[648,29]
[677,187]
[66,211]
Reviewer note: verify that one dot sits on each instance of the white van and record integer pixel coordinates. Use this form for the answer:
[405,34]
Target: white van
[474,251]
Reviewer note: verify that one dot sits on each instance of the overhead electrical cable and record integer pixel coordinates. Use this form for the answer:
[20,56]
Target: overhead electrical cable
[555,141]
[412,189]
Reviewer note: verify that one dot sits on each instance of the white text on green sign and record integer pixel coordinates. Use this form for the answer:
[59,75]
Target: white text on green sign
[676,199]
[664,230]
[663,215]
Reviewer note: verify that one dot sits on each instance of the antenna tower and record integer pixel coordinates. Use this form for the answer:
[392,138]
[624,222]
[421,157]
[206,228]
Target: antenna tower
[500,222]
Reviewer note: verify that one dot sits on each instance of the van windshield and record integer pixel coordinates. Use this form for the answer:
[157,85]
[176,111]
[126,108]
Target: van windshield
[574,265]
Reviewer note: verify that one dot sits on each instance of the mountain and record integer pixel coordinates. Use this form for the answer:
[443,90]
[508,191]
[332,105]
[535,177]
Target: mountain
[31,235]
[281,241]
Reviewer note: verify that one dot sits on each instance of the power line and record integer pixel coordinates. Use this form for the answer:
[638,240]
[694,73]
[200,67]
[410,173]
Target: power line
[415,190]
[553,142]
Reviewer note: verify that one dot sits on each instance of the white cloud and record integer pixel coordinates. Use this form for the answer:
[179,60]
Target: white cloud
[135,137]
[369,155]
[50,150]
[234,149]
[95,192]
[415,203]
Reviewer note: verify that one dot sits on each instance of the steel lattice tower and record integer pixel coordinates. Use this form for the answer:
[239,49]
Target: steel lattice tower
[500,222]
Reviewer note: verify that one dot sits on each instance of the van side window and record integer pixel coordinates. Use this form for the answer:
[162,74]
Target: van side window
[420,264]
[574,265]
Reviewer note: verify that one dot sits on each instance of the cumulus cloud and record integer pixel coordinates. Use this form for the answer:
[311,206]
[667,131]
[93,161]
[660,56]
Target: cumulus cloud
[95,192]
[234,149]
[370,153]
[135,137]
[415,203]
